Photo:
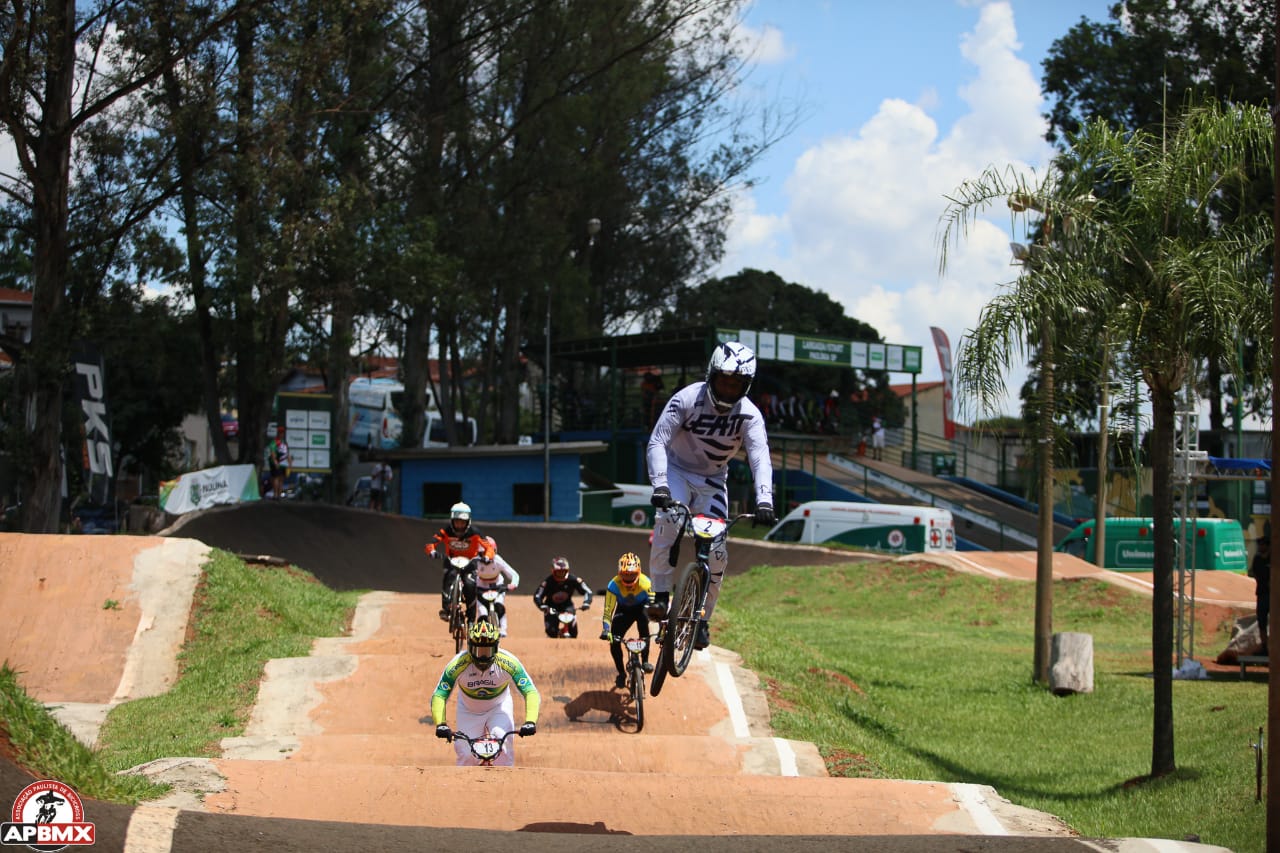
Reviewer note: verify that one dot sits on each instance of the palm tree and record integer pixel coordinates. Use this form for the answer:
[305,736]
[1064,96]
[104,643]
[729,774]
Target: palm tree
[1179,286]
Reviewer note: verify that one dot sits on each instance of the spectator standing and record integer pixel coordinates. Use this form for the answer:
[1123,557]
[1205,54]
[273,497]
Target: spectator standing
[831,413]
[379,483]
[278,461]
[877,437]
[1260,571]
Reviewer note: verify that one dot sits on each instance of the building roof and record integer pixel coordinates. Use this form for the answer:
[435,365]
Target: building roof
[487,451]
[903,389]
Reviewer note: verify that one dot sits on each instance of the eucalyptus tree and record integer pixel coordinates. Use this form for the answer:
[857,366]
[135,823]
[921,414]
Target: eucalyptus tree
[49,49]
[533,118]
[1179,284]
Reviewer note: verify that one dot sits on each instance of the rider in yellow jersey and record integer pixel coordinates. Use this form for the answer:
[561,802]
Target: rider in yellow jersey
[483,674]
[626,600]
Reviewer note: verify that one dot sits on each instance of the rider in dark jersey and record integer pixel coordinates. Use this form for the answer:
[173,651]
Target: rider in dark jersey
[556,592]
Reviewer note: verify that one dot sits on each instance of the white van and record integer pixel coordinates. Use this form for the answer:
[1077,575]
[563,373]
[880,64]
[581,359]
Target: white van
[433,435]
[895,528]
[375,413]
[375,417]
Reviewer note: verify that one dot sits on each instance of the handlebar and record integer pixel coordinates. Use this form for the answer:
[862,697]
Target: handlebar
[683,509]
[486,747]
[466,738]
[676,508]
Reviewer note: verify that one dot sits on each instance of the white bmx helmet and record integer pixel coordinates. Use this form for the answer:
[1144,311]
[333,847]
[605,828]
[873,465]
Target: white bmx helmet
[460,512]
[730,373]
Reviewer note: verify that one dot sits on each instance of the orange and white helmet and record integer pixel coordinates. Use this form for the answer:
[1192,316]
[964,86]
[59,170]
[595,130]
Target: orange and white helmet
[628,569]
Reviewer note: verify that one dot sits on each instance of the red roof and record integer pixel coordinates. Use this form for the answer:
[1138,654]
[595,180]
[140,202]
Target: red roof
[8,294]
[904,389]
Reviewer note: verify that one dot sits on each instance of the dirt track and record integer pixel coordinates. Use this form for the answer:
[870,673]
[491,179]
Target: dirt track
[352,748]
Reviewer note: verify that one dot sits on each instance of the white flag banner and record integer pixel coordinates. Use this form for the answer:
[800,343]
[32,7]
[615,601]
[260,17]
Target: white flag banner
[226,484]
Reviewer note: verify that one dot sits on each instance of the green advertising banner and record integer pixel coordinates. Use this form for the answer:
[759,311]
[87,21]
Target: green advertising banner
[800,349]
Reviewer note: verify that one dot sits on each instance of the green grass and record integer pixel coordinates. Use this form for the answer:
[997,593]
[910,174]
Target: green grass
[911,671]
[243,617]
[42,743]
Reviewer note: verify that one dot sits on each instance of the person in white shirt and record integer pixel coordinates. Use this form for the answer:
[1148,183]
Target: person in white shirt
[379,483]
[493,575]
[702,428]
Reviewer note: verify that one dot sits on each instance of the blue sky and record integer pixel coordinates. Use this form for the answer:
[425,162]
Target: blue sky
[900,102]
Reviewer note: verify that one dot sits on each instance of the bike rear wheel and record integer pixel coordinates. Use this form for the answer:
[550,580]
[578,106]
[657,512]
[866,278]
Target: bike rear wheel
[458,616]
[682,622]
[660,669]
[460,633]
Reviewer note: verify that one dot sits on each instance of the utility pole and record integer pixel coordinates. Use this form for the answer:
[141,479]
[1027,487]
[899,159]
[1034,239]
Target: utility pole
[1273,644]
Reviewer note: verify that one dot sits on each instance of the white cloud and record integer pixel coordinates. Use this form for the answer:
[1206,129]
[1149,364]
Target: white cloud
[764,46]
[863,208]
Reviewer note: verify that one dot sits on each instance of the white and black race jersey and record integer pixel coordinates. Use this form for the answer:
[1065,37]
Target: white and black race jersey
[693,436]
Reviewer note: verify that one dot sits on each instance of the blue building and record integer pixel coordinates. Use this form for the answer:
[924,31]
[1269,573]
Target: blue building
[501,482]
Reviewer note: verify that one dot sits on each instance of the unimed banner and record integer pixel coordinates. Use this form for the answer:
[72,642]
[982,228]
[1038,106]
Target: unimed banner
[226,484]
[91,392]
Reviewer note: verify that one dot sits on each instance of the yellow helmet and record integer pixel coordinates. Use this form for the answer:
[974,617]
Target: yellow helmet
[628,568]
[482,643]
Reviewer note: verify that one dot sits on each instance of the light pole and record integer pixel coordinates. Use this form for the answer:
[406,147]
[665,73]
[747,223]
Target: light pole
[593,228]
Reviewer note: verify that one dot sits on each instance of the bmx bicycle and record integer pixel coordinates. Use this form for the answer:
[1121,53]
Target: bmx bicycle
[566,623]
[487,601]
[688,606]
[485,748]
[460,613]
[635,647]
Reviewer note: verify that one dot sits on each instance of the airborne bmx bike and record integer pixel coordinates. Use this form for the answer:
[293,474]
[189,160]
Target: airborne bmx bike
[688,608]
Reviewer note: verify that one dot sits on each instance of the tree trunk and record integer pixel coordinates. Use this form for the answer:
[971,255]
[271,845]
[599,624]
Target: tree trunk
[41,374]
[253,421]
[509,376]
[187,153]
[1162,431]
[1044,543]
[417,375]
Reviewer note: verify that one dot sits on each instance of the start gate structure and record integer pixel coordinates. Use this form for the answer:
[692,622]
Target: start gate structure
[1193,465]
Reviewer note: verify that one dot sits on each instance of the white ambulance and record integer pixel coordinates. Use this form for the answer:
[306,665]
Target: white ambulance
[893,528]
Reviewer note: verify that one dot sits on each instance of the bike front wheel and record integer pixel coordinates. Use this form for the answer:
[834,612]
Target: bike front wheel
[637,694]
[662,667]
[685,615]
